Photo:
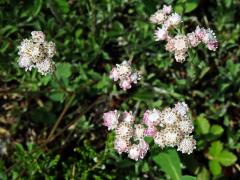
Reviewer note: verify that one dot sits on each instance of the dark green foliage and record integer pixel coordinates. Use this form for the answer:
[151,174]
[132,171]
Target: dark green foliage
[91,36]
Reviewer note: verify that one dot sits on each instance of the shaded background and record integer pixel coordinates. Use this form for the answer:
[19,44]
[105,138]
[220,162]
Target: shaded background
[91,36]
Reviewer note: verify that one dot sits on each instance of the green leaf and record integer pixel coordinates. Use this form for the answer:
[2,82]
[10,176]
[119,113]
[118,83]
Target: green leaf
[203,175]
[20,150]
[36,7]
[190,5]
[215,167]
[62,5]
[57,96]
[8,30]
[216,130]
[59,8]
[202,125]
[179,8]
[150,6]
[3,176]
[227,158]
[54,161]
[142,94]
[63,70]
[4,46]
[228,3]
[204,72]
[145,167]
[117,29]
[215,149]
[169,162]
[188,178]
[103,83]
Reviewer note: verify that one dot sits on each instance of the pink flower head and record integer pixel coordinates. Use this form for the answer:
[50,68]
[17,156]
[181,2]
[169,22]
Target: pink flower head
[180,56]
[114,74]
[134,152]
[38,36]
[186,126]
[174,20]
[124,130]
[124,69]
[158,17]
[135,77]
[212,45]
[161,34]
[171,136]
[181,43]
[208,36]
[193,39]
[45,67]
[170,44]
[181,109]
[125,83]
[169,117]
[26,62]
[143,146]
[138,151]
[167,9]
[151,117]
[200,32]
[111,119]
[150,131]
[125,74]
[128,117]
[37,53]
[159,139]
[187,145]
[121,145]
[139,130]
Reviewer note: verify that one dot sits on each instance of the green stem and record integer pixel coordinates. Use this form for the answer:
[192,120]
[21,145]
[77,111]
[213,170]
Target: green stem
[61,116]
[192,56]
[99,100]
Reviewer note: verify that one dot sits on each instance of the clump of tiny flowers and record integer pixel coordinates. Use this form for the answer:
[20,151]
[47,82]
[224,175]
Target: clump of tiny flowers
[37,53]
[125,75]
[169,128]
[129,135]
[180,43]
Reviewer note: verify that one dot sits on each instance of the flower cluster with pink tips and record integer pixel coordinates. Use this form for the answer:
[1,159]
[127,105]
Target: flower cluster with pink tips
[170,127]
[129,136]
[180,43]
[37,53]
[125,74]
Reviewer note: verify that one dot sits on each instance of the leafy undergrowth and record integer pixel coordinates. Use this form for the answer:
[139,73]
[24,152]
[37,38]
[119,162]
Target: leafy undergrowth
[91,37]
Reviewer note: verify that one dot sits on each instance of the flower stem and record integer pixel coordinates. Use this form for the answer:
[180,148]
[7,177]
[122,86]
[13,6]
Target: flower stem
[61,116]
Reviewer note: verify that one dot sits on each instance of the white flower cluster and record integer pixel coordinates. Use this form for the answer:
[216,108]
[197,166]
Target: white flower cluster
[180,43]
[129,136]
[170,127]
[125,74]
[37,53]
